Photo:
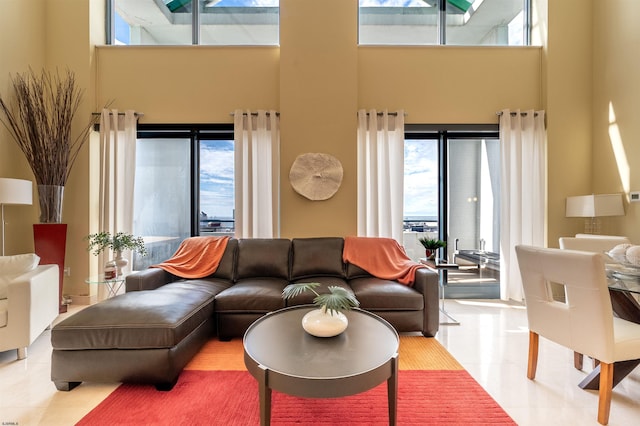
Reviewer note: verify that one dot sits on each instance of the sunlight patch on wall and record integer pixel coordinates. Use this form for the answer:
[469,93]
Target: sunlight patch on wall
[618,151]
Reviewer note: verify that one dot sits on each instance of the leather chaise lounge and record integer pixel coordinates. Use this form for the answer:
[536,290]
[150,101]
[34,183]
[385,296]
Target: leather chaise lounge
[149,334]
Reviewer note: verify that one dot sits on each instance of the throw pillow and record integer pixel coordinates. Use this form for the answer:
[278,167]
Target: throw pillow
[13,266]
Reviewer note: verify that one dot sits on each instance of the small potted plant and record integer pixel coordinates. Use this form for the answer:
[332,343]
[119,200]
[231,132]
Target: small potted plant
[117,243]
[431,246]
[328,320]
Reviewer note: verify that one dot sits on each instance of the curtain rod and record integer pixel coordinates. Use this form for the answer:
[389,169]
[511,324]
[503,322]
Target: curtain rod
[389,113]
[513,114]
[137,114]
[278,114]
[254,114]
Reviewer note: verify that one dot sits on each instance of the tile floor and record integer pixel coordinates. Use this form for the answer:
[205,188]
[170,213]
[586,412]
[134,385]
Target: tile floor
[491,343]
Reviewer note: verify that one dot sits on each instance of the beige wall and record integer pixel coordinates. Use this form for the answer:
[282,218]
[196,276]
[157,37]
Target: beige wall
[21,47]
[616,108]
[319,68]
[568,92]
[452,84]
[318,104]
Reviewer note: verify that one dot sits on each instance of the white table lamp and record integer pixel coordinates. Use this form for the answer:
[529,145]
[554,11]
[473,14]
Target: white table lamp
[592,207]
[14,191]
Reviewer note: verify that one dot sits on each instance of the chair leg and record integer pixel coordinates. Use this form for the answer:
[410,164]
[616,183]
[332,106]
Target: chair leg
[606,385]
[533,355]
[22,353]
[577,360]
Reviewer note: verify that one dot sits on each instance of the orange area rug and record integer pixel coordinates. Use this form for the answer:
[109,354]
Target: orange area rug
[216,389]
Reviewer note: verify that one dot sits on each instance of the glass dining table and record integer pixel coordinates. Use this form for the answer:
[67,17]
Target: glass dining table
[624,289]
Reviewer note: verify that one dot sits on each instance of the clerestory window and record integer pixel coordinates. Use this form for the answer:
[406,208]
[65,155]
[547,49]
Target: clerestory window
[444,22]
[199,22]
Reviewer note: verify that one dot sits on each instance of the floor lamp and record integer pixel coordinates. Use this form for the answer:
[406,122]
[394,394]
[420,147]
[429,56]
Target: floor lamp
[592,207]
[14,191]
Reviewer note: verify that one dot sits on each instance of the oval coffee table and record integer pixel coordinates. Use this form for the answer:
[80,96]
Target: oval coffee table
[283,357]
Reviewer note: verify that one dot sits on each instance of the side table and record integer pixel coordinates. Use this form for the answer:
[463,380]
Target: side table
[113,285]
[441,266]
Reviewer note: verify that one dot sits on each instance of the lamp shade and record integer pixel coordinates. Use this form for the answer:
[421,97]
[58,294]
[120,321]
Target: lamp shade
[595,205]
[16,191]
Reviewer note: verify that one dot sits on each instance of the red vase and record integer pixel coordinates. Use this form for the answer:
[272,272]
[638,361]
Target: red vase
[50,240]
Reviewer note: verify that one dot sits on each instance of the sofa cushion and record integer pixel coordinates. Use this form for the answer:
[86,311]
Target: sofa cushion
[263,257]
[354,271]
[252,295]
[147,319]
[378,294]
[316,257]
[225,267]
[18,263]
[210,285]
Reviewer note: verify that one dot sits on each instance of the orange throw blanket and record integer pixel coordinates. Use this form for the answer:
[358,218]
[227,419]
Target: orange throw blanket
[381,257]
[197,257]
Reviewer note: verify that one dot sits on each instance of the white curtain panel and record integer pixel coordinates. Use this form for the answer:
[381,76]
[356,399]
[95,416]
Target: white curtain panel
[380,174]
[523,193]
[257,171]
[117,173]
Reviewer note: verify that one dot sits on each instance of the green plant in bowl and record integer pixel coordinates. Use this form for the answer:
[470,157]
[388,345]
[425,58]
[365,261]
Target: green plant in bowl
[431,246]
[338,299]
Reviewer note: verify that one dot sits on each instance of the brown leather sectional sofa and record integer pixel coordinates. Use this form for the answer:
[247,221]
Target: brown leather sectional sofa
[150,333]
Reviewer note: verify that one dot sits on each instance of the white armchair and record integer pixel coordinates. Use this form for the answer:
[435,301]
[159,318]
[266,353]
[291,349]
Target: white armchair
[30,306]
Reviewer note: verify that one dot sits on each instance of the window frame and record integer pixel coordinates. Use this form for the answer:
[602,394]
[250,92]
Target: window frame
[195,133]
[110,29]
[443,133]
[441,31]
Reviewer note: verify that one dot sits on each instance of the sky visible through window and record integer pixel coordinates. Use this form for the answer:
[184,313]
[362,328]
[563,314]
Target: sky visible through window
[420,178]
[216,178]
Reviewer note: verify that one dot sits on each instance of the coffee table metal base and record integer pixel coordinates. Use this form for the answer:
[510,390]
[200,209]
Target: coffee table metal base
[265,393]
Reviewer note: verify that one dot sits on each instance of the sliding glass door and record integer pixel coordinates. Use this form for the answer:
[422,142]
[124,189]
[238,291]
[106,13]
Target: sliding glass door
[473,213]
[452,192]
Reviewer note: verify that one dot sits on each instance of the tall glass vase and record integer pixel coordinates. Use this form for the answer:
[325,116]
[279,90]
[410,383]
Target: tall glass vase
[50,197]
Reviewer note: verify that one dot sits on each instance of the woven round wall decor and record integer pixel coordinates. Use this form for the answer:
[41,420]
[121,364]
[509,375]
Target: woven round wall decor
[316,176]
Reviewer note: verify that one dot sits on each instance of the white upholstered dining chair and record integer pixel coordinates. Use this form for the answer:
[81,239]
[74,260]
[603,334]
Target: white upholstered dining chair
[593,244]
[585,322]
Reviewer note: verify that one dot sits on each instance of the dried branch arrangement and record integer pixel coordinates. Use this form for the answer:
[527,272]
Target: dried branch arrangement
[39,119]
